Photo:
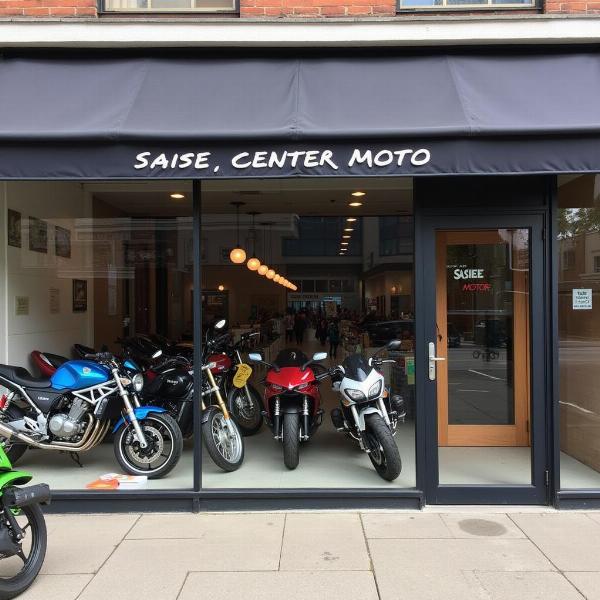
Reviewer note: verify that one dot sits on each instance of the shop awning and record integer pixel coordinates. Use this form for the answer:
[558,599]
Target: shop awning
[122,117]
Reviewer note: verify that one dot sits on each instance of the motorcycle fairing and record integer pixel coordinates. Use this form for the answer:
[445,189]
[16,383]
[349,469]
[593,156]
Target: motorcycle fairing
[78,374]
[370,410]
[141,413]
[14,478]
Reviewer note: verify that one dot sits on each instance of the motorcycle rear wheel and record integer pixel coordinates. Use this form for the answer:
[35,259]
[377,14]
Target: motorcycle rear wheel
[159,428]
[291,440]
[31,520]
[224,446]
[384,454]
[246,412]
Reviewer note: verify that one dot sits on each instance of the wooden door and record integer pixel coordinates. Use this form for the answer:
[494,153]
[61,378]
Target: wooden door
[483,337]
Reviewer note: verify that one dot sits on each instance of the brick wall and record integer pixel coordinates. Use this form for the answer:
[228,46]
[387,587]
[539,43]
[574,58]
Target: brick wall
[265,8]
[48,8]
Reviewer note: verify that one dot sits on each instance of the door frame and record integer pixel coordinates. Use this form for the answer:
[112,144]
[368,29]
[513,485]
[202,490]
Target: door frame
[425,257]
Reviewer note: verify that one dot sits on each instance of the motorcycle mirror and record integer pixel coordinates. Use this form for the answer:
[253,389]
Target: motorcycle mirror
[255,356]
[319,356]
[157,354]
[394,345]
[220,324]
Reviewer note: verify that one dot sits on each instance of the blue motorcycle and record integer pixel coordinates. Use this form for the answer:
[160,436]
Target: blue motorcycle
[74,410]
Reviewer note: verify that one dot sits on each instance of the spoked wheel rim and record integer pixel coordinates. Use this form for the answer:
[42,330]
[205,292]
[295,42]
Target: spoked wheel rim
[228,442]
[13,566]
[160,445]
[244,409]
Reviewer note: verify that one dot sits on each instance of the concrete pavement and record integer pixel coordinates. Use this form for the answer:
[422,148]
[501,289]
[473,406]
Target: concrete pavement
[462,554]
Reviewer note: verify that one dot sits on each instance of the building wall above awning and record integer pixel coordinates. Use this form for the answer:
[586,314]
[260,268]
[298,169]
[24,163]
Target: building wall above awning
[477,113]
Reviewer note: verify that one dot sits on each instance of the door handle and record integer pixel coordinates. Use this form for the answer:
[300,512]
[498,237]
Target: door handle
[432,360]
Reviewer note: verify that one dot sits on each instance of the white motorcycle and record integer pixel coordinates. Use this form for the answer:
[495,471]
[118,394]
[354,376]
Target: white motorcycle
[368,413]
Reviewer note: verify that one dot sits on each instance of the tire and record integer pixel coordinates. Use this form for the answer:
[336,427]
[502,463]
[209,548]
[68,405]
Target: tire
[158,428]
[247,414]
[224,447]
[10,588]
[384,454]
[291,440]
[13,450]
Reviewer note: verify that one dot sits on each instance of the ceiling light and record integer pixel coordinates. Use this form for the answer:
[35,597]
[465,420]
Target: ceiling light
[221,288]
[253,263]
[237,256]
[346,237]
[355,204]
[262,270]
[351,219]
[177,196]
[344,243]
[270,274]
[358,194]
[276,278]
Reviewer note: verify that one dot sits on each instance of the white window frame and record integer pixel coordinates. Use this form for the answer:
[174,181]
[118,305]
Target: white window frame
[148,8]
[487,5]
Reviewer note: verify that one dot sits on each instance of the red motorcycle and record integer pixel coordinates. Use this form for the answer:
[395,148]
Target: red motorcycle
[292,399]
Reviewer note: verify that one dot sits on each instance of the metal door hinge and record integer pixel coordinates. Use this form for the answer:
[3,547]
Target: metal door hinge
[547,477]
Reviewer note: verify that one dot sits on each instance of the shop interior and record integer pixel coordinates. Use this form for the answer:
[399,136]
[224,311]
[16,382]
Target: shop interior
[94,263]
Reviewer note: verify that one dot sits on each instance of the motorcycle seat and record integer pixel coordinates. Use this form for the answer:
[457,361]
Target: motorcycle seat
[23,377]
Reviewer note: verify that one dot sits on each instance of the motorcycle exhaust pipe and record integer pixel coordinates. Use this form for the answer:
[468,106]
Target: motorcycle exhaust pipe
[26,496]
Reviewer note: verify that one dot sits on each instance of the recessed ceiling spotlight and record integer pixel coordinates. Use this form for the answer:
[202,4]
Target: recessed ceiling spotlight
[346,237]
[177,196]
[344,243]
[351,219]
[348,229]
[358,194]
[355,204]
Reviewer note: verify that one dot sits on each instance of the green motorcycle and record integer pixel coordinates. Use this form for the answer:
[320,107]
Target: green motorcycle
[22,529]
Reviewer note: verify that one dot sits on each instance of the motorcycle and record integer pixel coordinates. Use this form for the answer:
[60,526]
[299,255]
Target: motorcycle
[23,535]
[231,374]
[73,410]
[367,412]
[292,399]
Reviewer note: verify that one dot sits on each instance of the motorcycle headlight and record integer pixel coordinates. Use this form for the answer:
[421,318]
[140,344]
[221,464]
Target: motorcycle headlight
[354,395]
[375,390]
[138,382]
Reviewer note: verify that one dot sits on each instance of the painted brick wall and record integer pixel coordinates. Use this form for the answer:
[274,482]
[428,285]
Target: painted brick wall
[48,8]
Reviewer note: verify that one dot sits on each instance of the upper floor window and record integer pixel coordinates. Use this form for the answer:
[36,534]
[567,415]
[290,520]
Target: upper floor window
[468,4]
[321,236]
[395,235]
[169,5]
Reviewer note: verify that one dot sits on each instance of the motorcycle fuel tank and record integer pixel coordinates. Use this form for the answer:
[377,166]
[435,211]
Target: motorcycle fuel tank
[79,374]
[222,363]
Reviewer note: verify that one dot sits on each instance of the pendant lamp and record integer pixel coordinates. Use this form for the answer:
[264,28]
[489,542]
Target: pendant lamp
[238,255]
[253,263]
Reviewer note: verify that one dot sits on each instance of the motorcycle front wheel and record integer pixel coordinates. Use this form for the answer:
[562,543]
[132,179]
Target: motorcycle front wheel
[165,445]
[223,440]
[291,440]
[245,407]
[384,453]
[17,572]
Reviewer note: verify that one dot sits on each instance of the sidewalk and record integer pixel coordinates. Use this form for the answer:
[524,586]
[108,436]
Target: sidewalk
[478,554]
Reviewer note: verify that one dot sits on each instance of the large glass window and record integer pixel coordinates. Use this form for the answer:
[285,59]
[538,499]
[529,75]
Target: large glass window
[96,267]
[337,302]
[578,240]
[462,4]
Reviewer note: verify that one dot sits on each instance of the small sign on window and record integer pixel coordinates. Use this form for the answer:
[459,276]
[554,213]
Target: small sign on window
[582,299]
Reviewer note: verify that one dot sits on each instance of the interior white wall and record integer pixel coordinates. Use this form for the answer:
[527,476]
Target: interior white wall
[33,274]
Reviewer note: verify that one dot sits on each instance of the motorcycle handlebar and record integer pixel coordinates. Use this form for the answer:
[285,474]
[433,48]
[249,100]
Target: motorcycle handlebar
[99,356]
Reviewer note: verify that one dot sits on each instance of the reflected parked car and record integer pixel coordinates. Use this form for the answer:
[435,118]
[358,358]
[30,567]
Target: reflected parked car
[382,332]
[453,336]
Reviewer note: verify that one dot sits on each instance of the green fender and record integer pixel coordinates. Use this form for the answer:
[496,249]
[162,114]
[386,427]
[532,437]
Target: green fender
[14,478]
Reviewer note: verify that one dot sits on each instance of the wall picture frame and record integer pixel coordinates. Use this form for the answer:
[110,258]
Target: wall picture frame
[79,295]
[62,241]
[13,224]
[38,235]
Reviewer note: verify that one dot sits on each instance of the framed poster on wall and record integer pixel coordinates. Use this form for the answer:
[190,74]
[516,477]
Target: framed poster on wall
[79,295]
[14,228]
[38,235]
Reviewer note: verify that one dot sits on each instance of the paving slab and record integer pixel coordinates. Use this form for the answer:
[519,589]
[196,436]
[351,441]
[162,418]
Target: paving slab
[404,526]
[436,556]
[263,529]
[570,540]
[81,543]
[587,582]
[56,587]
[320,541]
[528,586]
[316,585]
[481,526]
[157,568]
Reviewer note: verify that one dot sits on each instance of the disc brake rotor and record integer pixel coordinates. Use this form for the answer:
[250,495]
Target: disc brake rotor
[227,442]
[155,445]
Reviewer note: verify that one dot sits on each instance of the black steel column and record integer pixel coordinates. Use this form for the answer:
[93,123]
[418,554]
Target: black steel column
[197,328]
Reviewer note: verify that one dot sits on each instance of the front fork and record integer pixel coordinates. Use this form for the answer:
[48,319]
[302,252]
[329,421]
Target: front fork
[129,412]
[214,389]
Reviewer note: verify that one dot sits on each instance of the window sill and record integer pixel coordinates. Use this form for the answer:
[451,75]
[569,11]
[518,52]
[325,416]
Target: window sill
[441,10]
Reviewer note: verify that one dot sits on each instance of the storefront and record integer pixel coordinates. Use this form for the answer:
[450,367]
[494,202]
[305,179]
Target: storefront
[446,200]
